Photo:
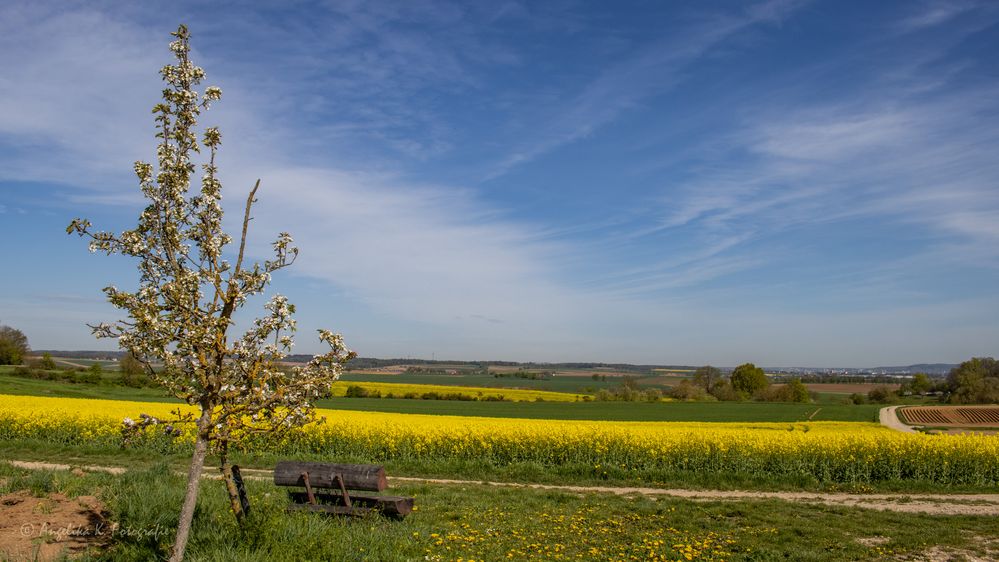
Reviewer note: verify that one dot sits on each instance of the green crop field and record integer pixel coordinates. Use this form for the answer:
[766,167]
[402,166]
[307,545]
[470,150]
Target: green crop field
[622,411]
[556,383]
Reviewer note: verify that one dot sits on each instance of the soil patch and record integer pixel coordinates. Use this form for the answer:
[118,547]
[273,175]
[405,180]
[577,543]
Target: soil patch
[987,551]
[871,542]
[45,528]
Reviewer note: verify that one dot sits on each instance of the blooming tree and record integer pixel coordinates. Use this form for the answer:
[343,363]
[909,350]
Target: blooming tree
[180,316]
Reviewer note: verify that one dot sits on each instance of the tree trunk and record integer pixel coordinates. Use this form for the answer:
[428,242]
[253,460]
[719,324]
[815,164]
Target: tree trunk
[230,483]
[193,479]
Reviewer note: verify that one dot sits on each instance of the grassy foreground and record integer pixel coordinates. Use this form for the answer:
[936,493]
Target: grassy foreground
[486,523]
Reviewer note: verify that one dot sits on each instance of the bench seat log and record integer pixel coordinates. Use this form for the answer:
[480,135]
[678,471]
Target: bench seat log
[330,509]
[332,488]
[396,506]
[368,477]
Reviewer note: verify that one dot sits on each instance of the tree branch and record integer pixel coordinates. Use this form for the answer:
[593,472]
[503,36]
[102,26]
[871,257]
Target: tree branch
[246,224]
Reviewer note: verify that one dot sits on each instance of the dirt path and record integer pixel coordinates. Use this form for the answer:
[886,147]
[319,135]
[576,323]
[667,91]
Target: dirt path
[59,360]
[889,418]
[932,504]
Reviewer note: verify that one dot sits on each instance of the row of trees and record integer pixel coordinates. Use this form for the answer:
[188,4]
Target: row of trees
[975,381]
[747,381]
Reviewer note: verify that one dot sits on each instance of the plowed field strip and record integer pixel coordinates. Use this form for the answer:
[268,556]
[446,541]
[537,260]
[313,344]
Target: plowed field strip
[951,415]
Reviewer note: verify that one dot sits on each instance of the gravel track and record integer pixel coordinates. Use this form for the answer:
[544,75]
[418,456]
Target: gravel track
[889,418]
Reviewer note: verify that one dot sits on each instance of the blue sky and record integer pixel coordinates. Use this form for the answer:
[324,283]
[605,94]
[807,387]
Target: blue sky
[783,182]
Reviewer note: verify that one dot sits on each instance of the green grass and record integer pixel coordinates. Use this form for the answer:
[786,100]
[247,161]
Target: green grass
[10,384]
[491,523]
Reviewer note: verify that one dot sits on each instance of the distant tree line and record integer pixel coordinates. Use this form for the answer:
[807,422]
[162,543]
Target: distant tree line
[628,391]
[745,382]
[976,381]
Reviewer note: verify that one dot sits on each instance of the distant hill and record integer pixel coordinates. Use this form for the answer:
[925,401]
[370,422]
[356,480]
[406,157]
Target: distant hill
[928,368]
[372,363]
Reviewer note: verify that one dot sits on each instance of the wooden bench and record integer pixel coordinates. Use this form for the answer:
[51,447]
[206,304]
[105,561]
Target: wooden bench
[332,488]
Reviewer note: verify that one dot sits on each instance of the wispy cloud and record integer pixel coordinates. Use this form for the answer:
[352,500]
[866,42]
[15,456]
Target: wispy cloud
[71,92]
[421,253]
[924,165]
[341,113]
[934,13]
[653,69]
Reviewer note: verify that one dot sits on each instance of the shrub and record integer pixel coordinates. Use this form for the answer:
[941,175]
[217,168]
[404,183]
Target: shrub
[722,390]
[687,390]
[793,391]
[881,395]
[749,378]
[87,378]
[355,391]
[46,362]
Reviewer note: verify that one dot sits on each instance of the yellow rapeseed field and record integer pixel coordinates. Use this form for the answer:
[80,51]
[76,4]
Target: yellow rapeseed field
[826,451]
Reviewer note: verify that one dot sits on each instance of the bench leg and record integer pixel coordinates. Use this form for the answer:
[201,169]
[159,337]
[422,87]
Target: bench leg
[343,489]
[308,488]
